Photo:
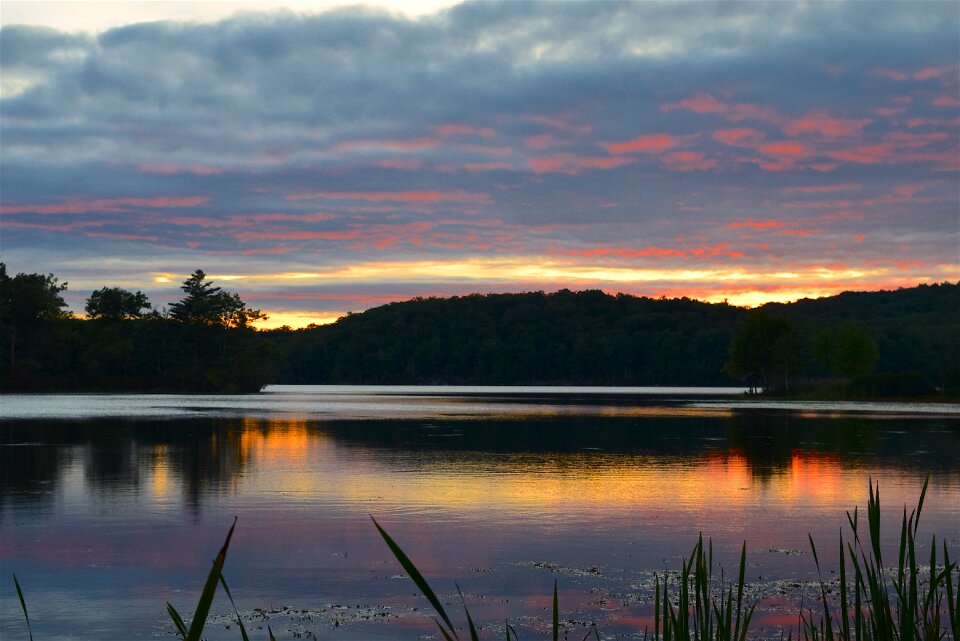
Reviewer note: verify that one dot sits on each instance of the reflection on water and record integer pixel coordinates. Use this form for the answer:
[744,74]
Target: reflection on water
[118,515]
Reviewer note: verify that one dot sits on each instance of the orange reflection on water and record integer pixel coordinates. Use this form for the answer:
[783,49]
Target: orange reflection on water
[299,457]
[818,477]
[161,474]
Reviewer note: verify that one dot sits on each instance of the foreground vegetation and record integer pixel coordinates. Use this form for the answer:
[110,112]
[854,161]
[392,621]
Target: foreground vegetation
[874,602]
[903,343]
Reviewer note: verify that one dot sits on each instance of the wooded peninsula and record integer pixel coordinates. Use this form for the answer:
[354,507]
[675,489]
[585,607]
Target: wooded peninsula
[886,344]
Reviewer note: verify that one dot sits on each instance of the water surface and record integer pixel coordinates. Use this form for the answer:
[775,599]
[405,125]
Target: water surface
[111,505]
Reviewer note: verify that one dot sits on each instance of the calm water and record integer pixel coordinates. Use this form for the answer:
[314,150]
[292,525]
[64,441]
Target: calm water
[112,505]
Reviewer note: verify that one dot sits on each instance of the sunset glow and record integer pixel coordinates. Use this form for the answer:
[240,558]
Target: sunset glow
[437,149]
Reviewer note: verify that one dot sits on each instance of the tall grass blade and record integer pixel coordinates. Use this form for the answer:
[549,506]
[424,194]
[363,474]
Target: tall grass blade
[740,582]
[418,579]
[473,630]
[23,606]
[177,620]
[923,494]
[243,630]
[556,613]
[844,612]
[209,589]
[953,601]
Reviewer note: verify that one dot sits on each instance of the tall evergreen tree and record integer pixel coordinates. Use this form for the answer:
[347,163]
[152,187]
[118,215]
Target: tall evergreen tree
[209,305]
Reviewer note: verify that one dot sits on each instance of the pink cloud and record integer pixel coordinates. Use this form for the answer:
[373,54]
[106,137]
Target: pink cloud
[652,143]
[394,196]
[173,168]
[946,101]
[296,235]
[573,164]
[704,103]
[486,166]
[756,224]
[887,112]
[413,144]
[64,227]
[112,205]
[401,163]
[119,236]
[487,150]
[688,161]
[913,123]
[818,189]
[563,123]
[737,136]
[864,155]
[821,123]
[891,74]
[541,141]
[785,148]
[721,249]
[464,130]
[932,72]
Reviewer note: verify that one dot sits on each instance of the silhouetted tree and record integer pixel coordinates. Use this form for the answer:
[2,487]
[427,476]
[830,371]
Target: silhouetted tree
[26,299]
[849,351]
[209,305]
[114,303]
[764,346]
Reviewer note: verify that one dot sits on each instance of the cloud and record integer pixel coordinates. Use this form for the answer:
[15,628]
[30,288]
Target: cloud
[273,142]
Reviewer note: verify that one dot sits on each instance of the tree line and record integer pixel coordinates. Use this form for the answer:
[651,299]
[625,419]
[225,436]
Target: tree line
[202,343]
[857,344]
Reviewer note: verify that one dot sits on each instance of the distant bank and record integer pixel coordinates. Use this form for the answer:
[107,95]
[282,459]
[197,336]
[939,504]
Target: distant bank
[890,344]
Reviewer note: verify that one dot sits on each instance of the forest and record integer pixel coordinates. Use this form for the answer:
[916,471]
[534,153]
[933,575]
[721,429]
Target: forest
[857,344]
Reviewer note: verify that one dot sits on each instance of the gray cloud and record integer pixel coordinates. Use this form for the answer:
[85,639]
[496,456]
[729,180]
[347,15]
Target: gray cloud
[250,113]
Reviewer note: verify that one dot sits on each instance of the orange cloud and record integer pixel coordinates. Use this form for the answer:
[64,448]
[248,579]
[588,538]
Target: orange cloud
[652,143]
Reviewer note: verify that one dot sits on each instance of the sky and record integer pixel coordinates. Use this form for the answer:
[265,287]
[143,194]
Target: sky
[321,157]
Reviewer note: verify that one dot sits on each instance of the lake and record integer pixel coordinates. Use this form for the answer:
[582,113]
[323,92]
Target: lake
[112,505]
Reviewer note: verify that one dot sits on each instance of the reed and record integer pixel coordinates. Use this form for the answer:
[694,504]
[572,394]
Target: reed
[712,614]
[911,612]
